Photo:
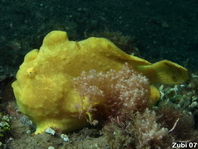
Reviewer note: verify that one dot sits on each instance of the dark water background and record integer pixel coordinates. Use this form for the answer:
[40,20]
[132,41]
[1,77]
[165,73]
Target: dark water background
[164,29]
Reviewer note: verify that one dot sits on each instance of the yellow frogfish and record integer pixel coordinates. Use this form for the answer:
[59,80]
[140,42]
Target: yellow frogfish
[44,87]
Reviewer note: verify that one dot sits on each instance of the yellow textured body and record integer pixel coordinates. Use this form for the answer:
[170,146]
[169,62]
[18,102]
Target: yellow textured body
[44,89]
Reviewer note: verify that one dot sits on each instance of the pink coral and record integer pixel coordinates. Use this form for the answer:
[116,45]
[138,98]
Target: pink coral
[147,131]
[114,93]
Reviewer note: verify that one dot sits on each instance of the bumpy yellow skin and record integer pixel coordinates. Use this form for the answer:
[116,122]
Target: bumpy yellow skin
[44,89]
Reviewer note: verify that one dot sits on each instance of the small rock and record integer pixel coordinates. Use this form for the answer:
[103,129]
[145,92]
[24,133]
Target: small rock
[51,147]
[50,131]
[65,137]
